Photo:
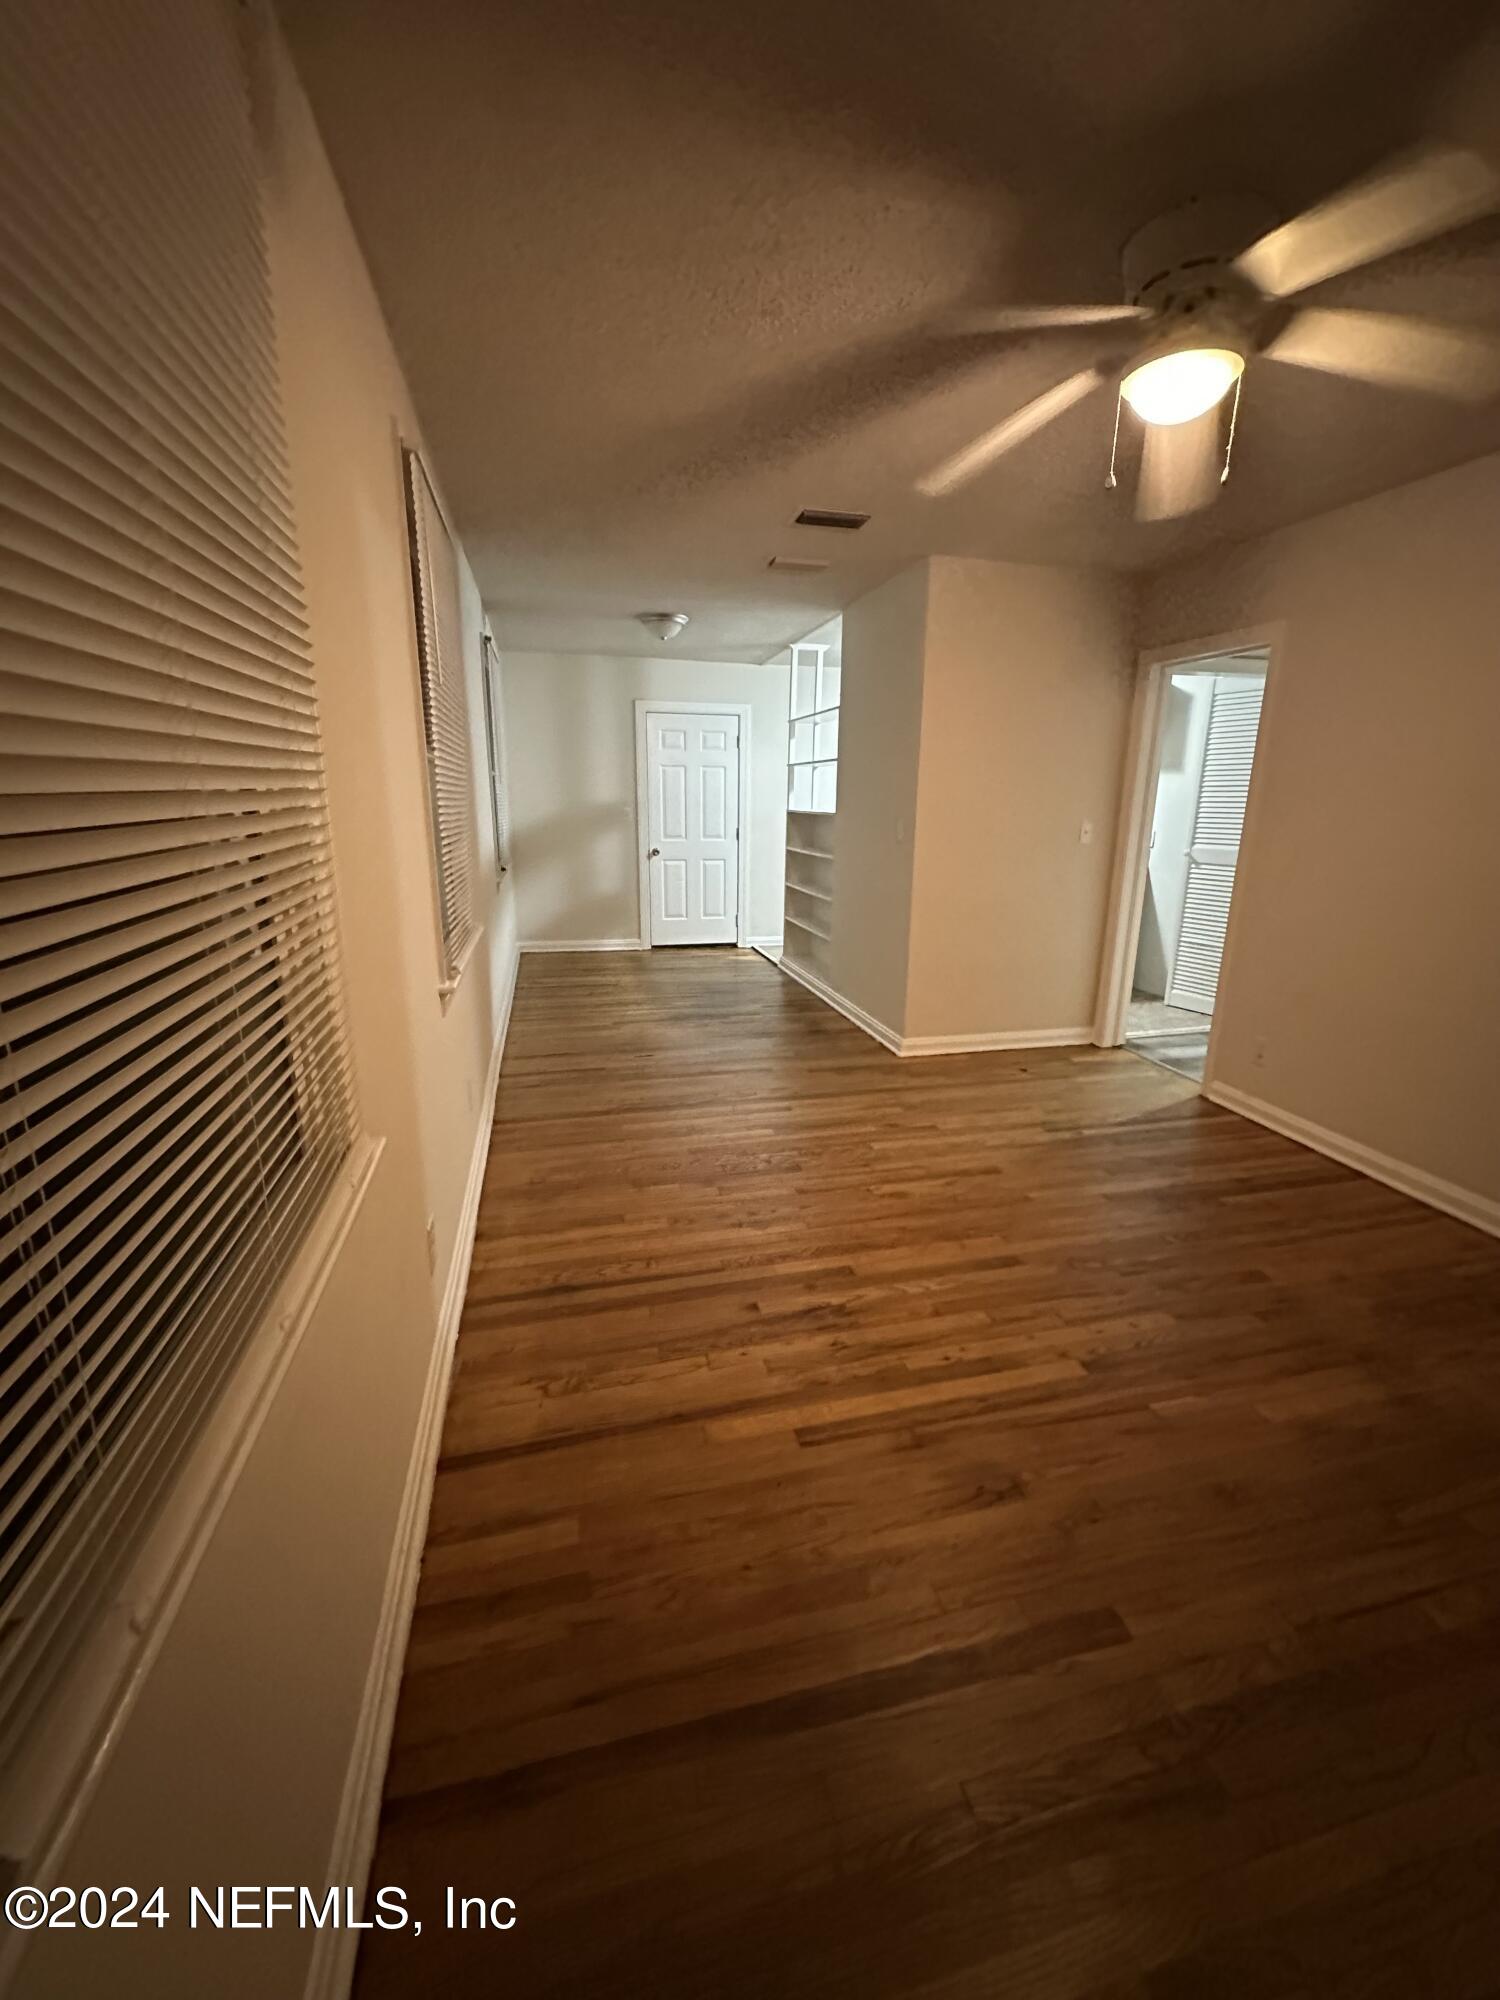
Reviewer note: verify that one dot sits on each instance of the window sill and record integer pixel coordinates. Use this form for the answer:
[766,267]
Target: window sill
[449,986]
[49,1789]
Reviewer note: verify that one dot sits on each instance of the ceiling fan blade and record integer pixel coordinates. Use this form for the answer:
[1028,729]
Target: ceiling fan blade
[1179,468]
[1416,197]
[1020,424]
[1395,351]
[1024,319]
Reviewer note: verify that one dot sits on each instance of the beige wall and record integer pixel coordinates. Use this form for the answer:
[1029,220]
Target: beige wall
[232,1761]
[983,720]
[1024,713]
[880,727]
[1363,988]
[570,722]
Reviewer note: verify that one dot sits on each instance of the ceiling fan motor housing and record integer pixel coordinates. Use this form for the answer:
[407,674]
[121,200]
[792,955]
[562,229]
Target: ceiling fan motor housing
[1181,265]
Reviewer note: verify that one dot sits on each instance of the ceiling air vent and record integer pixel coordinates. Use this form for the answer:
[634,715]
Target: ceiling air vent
[802,565]
[827,517]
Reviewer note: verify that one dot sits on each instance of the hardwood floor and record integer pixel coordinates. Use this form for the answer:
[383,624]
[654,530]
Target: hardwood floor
[976,1526]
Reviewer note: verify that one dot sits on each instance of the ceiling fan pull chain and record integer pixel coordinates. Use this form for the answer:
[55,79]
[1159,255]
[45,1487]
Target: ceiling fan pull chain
[1114,445]
[1234,412]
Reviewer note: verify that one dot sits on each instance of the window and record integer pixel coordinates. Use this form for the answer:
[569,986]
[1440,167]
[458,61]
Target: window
[491,680]
[813,750]
[175,1097]
[445,716]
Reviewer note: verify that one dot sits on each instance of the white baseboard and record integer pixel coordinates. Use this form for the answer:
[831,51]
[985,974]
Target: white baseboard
[934,1045]
[583,944]
[1021,1038]
[330,1970]
[765,944]
[887,1037]
[1477,1209]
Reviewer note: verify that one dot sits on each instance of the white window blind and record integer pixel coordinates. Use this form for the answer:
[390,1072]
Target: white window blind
[497,761]
[175,1098]
[445,715]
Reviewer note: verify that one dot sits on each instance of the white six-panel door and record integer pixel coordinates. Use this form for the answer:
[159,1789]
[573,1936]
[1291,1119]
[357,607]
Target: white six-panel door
[693,819]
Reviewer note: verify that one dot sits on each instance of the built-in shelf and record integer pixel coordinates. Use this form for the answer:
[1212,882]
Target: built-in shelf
[812,768]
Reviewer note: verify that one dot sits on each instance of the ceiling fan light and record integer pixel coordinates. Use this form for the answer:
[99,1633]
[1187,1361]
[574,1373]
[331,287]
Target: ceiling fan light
[1175,388]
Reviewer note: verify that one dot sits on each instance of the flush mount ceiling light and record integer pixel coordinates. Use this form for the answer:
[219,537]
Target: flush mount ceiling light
[663,625]
[1175,388]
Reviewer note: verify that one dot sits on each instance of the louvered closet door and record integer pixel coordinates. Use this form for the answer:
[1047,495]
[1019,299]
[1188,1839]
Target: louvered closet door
[174,1086]
[1229,751]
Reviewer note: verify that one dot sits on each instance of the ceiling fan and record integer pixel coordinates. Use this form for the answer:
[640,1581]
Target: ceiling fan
[1209,288]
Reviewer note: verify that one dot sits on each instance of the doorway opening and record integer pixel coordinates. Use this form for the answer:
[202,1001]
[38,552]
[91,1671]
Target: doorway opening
[1207,726]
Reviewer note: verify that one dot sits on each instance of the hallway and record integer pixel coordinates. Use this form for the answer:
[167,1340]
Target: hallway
[984,1525]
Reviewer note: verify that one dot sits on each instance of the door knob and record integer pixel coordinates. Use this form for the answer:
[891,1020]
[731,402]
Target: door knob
[654,852]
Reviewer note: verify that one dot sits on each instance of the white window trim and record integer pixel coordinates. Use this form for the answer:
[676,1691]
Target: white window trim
[451,966]
[489,671]
[75,1736]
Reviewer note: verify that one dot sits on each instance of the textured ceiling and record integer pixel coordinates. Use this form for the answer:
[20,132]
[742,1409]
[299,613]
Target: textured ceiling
[660,270]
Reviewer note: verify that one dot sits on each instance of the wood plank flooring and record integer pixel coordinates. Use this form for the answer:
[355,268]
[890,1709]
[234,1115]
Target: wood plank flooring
[984,1525]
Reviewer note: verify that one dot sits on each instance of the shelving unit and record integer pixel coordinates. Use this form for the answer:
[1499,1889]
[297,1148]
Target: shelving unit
[812,797]
[813,744]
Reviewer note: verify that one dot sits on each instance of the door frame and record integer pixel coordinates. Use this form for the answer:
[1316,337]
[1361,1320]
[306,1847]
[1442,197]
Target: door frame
[1155,666]
[645,706]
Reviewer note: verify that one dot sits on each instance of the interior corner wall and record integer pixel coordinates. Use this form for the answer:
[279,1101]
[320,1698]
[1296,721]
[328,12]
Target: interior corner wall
[880,730]
[1025,706]
[1362,993]
[232,1762]
[570,725]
